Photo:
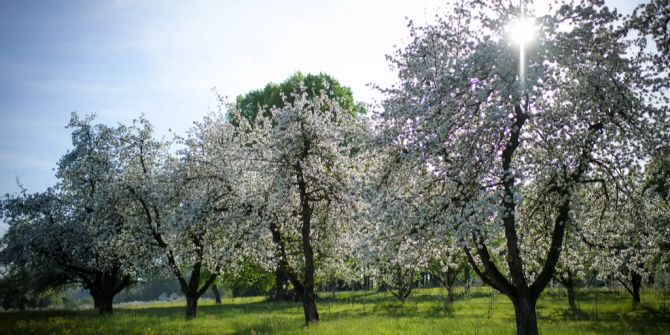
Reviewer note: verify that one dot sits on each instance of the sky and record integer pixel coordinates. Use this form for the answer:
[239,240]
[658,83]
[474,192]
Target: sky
[121,59]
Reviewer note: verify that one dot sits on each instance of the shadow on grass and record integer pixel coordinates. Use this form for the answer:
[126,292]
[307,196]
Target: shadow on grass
[569,314]
[645,321]
[440,311]
[224,309]
[269,317]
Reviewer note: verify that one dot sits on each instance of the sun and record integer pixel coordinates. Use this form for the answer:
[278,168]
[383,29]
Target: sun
[522,31]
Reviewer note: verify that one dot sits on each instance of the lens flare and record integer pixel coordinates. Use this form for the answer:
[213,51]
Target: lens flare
[522,32]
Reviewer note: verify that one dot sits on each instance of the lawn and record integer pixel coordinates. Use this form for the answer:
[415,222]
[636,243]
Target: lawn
[599,312]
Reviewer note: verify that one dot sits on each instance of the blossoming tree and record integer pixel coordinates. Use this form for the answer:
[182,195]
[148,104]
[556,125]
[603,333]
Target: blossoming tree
[249,105]
[79,228]
[188,208]
[306,169]
[491,113]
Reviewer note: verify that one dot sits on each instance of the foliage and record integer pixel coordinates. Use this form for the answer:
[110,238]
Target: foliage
[278,95]
[248,279]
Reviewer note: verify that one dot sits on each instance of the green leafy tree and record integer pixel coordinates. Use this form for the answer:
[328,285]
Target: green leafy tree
[278,95]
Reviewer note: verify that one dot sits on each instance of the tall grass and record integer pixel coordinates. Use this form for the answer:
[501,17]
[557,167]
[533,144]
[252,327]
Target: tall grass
[426,312]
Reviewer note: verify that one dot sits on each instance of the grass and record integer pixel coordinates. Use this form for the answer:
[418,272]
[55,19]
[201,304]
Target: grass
[363,313]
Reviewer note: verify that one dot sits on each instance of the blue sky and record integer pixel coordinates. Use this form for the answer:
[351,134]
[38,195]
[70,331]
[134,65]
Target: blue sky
[120,59]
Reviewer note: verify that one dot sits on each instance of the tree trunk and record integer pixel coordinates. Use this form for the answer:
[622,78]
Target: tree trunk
[281,285]
[526,318]
[281,276]
[451,275]
[217,294]
[308,297]
[333,288]
[193,290]
[466,278]
[96,300]
[309,306]
[450,294]
[637,284]
[566,279]
[106,305]
[571,296]
[191,306]
[103,302]
[104,287]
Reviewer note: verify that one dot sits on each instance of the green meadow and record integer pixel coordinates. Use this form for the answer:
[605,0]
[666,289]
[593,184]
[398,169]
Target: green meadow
[425,312]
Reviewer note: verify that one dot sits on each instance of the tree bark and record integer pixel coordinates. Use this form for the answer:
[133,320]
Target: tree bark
[281,285]
[567,279]
[191,306]
[637,284]
[308,297]
[106,305]
[634,288]
[104,287]
[217,294]
[466,278]
[103,301]
[526,318]
[281,277]
[193,290]
[96,300]
[309,306]
[571,296]
[452,273]
[450,294]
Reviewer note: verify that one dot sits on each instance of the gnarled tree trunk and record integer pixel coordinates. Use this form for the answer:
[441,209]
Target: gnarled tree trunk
[402,284]
[104,286]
